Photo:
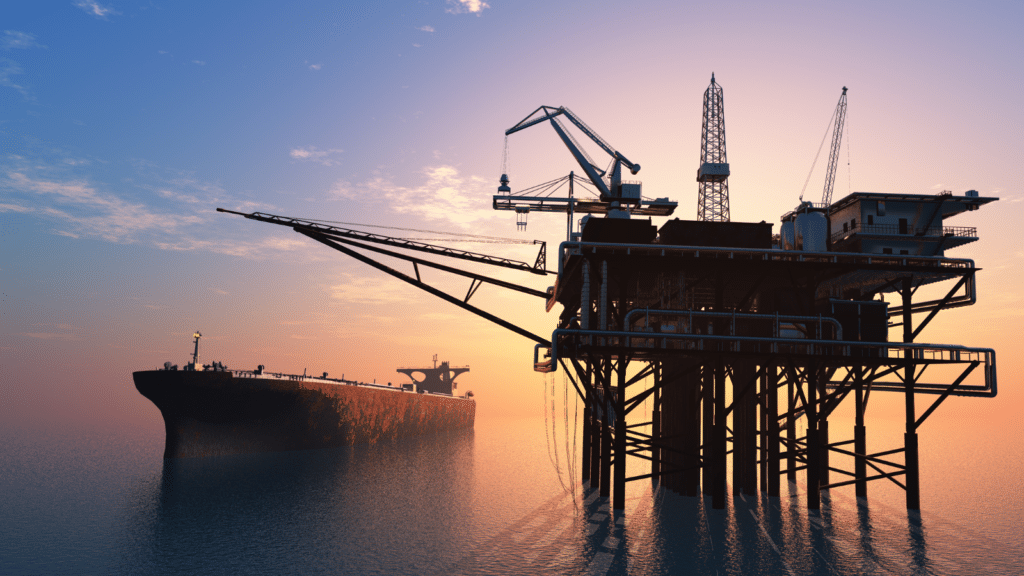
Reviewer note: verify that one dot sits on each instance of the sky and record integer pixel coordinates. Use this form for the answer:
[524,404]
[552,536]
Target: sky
[124,125]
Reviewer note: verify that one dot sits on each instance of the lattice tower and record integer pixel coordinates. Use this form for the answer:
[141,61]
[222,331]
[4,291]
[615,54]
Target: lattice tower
[713,200]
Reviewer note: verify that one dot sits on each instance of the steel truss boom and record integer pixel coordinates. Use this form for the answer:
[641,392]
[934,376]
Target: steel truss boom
[341,239]
[551,113]
[833,155]
[464,304]
[300,224]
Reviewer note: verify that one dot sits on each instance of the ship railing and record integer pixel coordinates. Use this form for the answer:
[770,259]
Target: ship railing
[305,378]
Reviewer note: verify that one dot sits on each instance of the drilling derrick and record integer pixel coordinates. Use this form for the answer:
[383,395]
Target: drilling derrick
[713,175]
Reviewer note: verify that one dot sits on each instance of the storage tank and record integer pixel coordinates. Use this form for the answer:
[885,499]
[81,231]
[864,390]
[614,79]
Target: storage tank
[787,236]
[811,231]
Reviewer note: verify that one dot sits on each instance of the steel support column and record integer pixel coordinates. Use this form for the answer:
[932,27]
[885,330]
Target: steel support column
[719,444]
[619,497]
[606,434]
[772,416]
[860,444]
[744,426]
[690,393]
[707,434]
[813,452]
[588,419]
[656,427]
[910,437]
[791,428]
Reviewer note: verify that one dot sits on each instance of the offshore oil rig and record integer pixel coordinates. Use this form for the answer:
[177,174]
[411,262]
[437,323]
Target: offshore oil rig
[745,340]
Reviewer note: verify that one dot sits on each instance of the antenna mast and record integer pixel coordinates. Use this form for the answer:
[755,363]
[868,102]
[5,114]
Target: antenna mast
[713,175]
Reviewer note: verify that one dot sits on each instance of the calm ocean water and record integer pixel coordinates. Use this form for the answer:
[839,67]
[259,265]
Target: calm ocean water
[487,501]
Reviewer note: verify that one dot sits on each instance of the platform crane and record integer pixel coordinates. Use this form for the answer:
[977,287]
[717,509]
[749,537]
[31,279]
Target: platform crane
[833,155]
[614,189]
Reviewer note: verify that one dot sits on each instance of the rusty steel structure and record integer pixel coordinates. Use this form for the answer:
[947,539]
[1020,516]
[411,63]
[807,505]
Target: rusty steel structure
[741,352]
[746,342]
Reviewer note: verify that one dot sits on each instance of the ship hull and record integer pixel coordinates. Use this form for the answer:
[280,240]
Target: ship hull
[218,413]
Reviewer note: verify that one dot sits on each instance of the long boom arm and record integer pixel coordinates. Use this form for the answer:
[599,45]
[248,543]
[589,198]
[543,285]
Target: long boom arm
[551,114]
[303,226]
[833,155]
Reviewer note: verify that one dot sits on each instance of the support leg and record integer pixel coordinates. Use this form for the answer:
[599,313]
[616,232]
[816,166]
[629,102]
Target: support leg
[619,497]
[791,431]
[813,445]
[910,437]
[606,438]
[772,409]
[588,414]
[720,446]
[656,424]
[707,442]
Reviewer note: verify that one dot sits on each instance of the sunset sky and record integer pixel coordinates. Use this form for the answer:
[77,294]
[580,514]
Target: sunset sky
[124,125]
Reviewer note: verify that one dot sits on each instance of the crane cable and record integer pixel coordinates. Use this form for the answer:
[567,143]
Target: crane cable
[504,158]
[849,177]
[820,146]
[465,237]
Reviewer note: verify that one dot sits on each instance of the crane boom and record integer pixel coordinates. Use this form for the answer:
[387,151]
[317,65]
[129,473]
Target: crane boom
[550,113]
[833,155]
[303,225]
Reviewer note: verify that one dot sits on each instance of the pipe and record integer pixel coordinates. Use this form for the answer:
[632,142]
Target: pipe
[776,317]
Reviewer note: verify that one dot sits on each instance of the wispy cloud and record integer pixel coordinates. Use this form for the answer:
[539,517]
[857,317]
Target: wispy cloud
[50,335]
[444,196]
[371,290]
[315,66]
[199,62]
[9,68]
[313,154]
[243,249]
[466,6]
[13,39]
[78,208]
[427,28]
[86,211]
[343,189]
[95,8]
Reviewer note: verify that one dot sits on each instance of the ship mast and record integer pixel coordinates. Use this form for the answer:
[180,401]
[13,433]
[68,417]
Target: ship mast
[195,353]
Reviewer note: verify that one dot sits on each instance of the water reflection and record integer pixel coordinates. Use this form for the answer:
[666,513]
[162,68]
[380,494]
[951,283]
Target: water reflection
[322,511]
[663,533]
[429,506]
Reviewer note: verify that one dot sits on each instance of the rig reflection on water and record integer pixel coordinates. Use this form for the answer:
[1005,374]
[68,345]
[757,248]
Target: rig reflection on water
[434,505]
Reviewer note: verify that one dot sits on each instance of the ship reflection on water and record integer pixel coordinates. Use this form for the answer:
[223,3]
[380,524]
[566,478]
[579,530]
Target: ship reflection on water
[319,511]
[465,503]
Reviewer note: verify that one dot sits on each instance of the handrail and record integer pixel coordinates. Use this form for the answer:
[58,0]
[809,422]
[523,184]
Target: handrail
[896,351]
[568,248]
[894,230]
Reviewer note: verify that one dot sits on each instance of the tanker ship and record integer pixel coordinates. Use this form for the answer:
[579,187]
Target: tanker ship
[211,410]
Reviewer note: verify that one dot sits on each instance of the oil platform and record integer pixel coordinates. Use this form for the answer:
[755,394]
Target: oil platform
[746,341]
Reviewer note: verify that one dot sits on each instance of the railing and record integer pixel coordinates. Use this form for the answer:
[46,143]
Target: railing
[838,352]
[897,230]
[856,258]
